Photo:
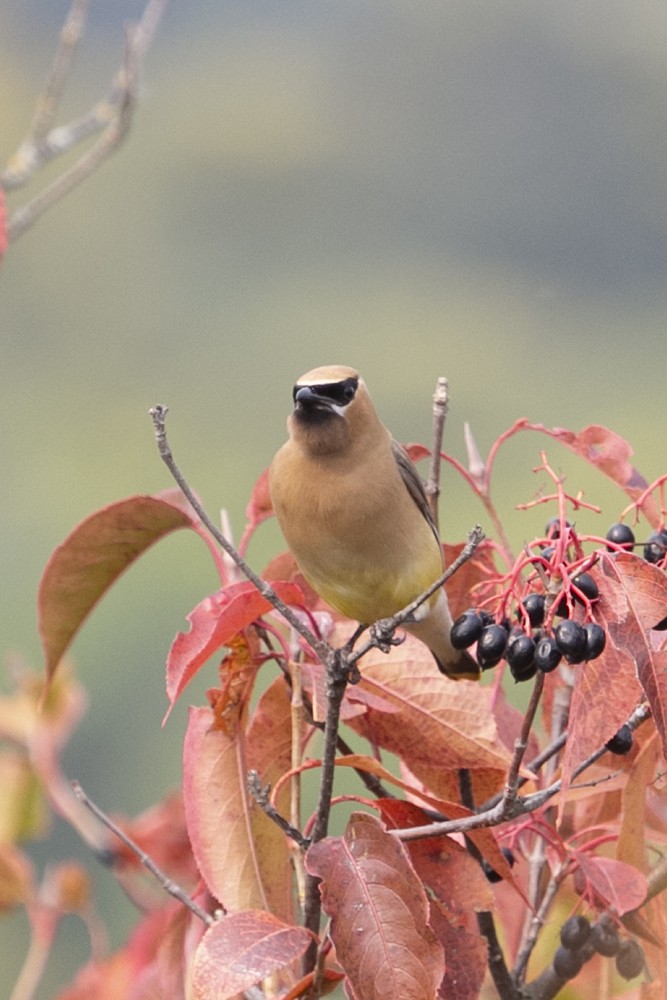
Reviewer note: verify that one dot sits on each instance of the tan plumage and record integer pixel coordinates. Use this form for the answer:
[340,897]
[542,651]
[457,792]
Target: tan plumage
[354,512]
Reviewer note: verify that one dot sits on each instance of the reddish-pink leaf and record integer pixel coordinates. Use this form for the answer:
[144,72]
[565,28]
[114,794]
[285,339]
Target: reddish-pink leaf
[417,451]
[379,913]
[92,558]
[240,950]
[620,885]
[604,450]
[259,508]
[216,620]
[234,843]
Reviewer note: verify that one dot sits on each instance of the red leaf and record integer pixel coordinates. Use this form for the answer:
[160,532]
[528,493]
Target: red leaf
[91,559]
[240,950]
[379,913]
[259,508]
[216,620]
[644,590]
[476,570]
[604,450]
[620,885]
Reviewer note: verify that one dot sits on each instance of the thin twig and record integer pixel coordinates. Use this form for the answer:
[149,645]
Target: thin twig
[385,628]
[440,408]
[261,795]
[322,649]
[521,743]
[167,884]
[112,117]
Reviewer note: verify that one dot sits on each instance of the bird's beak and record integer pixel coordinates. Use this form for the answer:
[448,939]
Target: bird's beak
[307,398]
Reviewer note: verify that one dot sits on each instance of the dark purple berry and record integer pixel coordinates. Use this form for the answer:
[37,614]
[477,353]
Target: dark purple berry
[491,874]
[587,585]
[630,960]
[596,640]
[621,742]
[547,655]
[575,932]
[466,629]
[521,657]
[491,645]
[605,939]
[552,528]
[570,638]
[656,546]
[567,964]
[533,605]
[547,552]
[621,534]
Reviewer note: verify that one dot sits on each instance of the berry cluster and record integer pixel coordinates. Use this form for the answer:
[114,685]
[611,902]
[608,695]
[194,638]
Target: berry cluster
[580,940]
[559,581]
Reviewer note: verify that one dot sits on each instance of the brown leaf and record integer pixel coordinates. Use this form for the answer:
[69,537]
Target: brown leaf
[240,950]
[435,725]
[379,913]
[92,558]
[224,825]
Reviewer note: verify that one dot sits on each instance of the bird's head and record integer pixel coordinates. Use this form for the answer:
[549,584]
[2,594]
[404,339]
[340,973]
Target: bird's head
[332,409]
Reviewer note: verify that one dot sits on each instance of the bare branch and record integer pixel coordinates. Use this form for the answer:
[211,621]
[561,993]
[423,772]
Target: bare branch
[167,884]
[112,117]
[440,408]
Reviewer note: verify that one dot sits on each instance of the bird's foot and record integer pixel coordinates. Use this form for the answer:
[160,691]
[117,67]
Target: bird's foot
[383,634]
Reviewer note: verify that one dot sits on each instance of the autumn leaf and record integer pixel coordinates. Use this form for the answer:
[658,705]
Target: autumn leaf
[91,559]
[606,451]
[618,884]
[435,725]
[240,950]
[213,623]
[379,913]
[460,586]
[233,841]
[258,509]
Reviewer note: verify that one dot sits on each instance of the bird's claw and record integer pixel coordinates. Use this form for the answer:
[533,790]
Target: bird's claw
[383,635]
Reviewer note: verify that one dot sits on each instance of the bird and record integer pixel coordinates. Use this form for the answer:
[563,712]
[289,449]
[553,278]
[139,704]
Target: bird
[354,513]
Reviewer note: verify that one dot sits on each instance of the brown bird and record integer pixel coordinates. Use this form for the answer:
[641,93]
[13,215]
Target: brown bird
[354,513]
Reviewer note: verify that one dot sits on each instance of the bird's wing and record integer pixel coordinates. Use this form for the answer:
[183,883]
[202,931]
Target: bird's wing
[414,484]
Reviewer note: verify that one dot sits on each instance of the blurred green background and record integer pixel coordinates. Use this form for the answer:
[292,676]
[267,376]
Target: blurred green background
[474,189]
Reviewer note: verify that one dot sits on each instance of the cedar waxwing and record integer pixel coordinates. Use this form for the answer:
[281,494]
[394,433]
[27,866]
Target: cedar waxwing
[354,513]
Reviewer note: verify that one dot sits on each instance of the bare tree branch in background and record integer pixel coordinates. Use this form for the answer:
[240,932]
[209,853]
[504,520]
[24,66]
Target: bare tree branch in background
[112,116]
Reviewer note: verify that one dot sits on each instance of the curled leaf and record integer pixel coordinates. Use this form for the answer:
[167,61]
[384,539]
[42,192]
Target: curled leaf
[91,559]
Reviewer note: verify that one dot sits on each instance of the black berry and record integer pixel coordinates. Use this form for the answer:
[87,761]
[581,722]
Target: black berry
[596,640]
[630,960]
[521,657]
[491,874]
[567,964]
[466,629]
[656,546]
[533,605]
[605,939]
[621,534]
[552,528]
[621,742]
[575,932]
[571,640]
[587,585]
[491,645]
[547,655]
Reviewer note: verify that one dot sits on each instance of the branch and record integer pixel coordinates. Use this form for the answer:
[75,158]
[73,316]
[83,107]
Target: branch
[440,409]
[384,629]
[167,884]
[112,117]
[323,650]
